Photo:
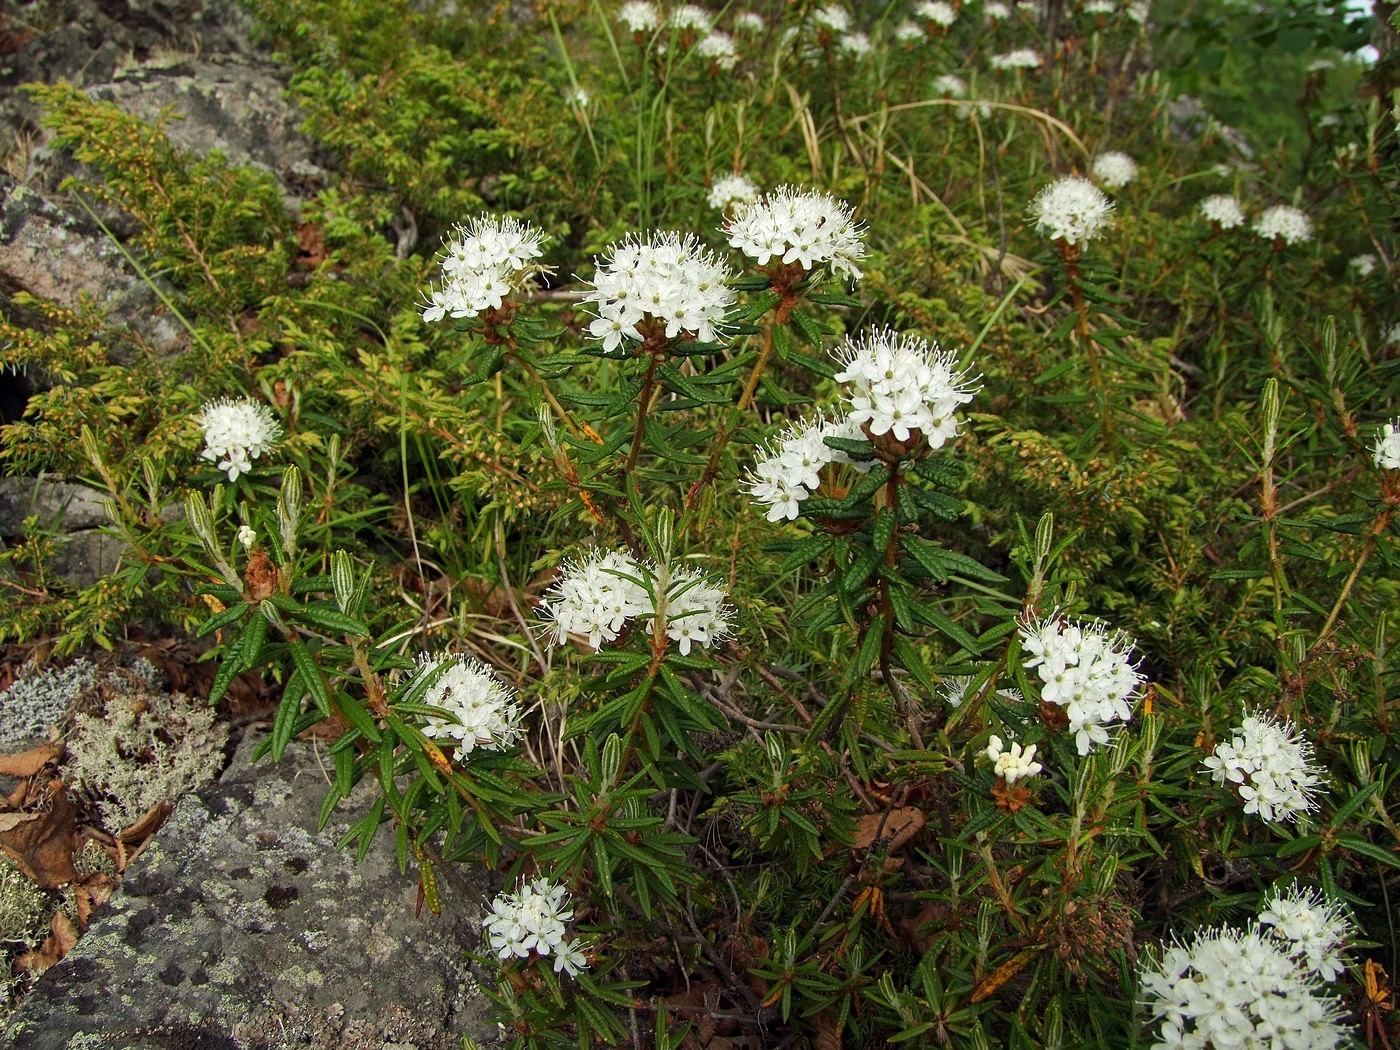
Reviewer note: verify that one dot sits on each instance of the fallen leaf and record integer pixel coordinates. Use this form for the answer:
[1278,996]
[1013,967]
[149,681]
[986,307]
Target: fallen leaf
[148,825]
[27,763]
[56,945]
[89,892]
[41,843]
[897,826]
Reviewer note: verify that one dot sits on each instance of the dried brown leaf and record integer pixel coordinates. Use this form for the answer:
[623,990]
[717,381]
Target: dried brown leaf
[41,843]
[27,763]
[896,827]
[57,944]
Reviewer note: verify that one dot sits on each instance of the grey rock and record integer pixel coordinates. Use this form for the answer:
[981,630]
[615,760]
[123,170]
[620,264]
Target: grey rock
[226,104]
[241,926]
[56,502]
[85,557]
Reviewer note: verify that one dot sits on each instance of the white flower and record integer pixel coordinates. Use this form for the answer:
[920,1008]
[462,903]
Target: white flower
[938,12]
[728,190]
[669,277]
[247,537]
[1312,928]
[899,384]
[696,610]
[480,710]
[1284,222]
[995,11]
[1115,169]
[1100,7]
[856,44]
[748,22]
[1228,989]
[237,432]
[1086,670]
[639,16]
[790,470]
[532,920]
[596,597]
[1364,265]
[907,32]
[1270,765]
[692,17]
[833,17]
[1072,210]
[718,48]
[483,262]
[808,228]
[954,690]
[950,86]
[579,98]
[1020,58]
[1013,764]
[1138,11]
[1223,210]
[1387,450]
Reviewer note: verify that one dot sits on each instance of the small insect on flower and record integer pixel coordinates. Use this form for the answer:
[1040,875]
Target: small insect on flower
[237,432]
[479,710]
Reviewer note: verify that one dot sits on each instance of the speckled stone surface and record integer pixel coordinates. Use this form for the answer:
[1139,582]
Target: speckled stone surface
[243,927]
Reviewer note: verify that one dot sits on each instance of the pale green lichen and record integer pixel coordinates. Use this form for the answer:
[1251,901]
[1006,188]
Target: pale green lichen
[40,699]
[24,908]
[146,749]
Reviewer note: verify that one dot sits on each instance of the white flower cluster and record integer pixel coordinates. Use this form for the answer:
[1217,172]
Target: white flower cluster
[532,920]
[1313,929]
[639,16]
[1223,210]
[1284,222]
[955,689]
[855,44]
[1101,7]
[484,261]
[237,432]
[1085,669]
[481,711]
[1364,264]
[833,17]
[671,278]
[1228,988]
[1020,58]
[938,12]
[718,48]
[597,596]
[692,17]
[995,11]
[1387,450]
[749,22]
[1013,764]
[908,32]
[950,85]
[1271,764]
[1071,209]
[791,469]
[1115,169]
[799,226]
[728,190]
[898,384]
